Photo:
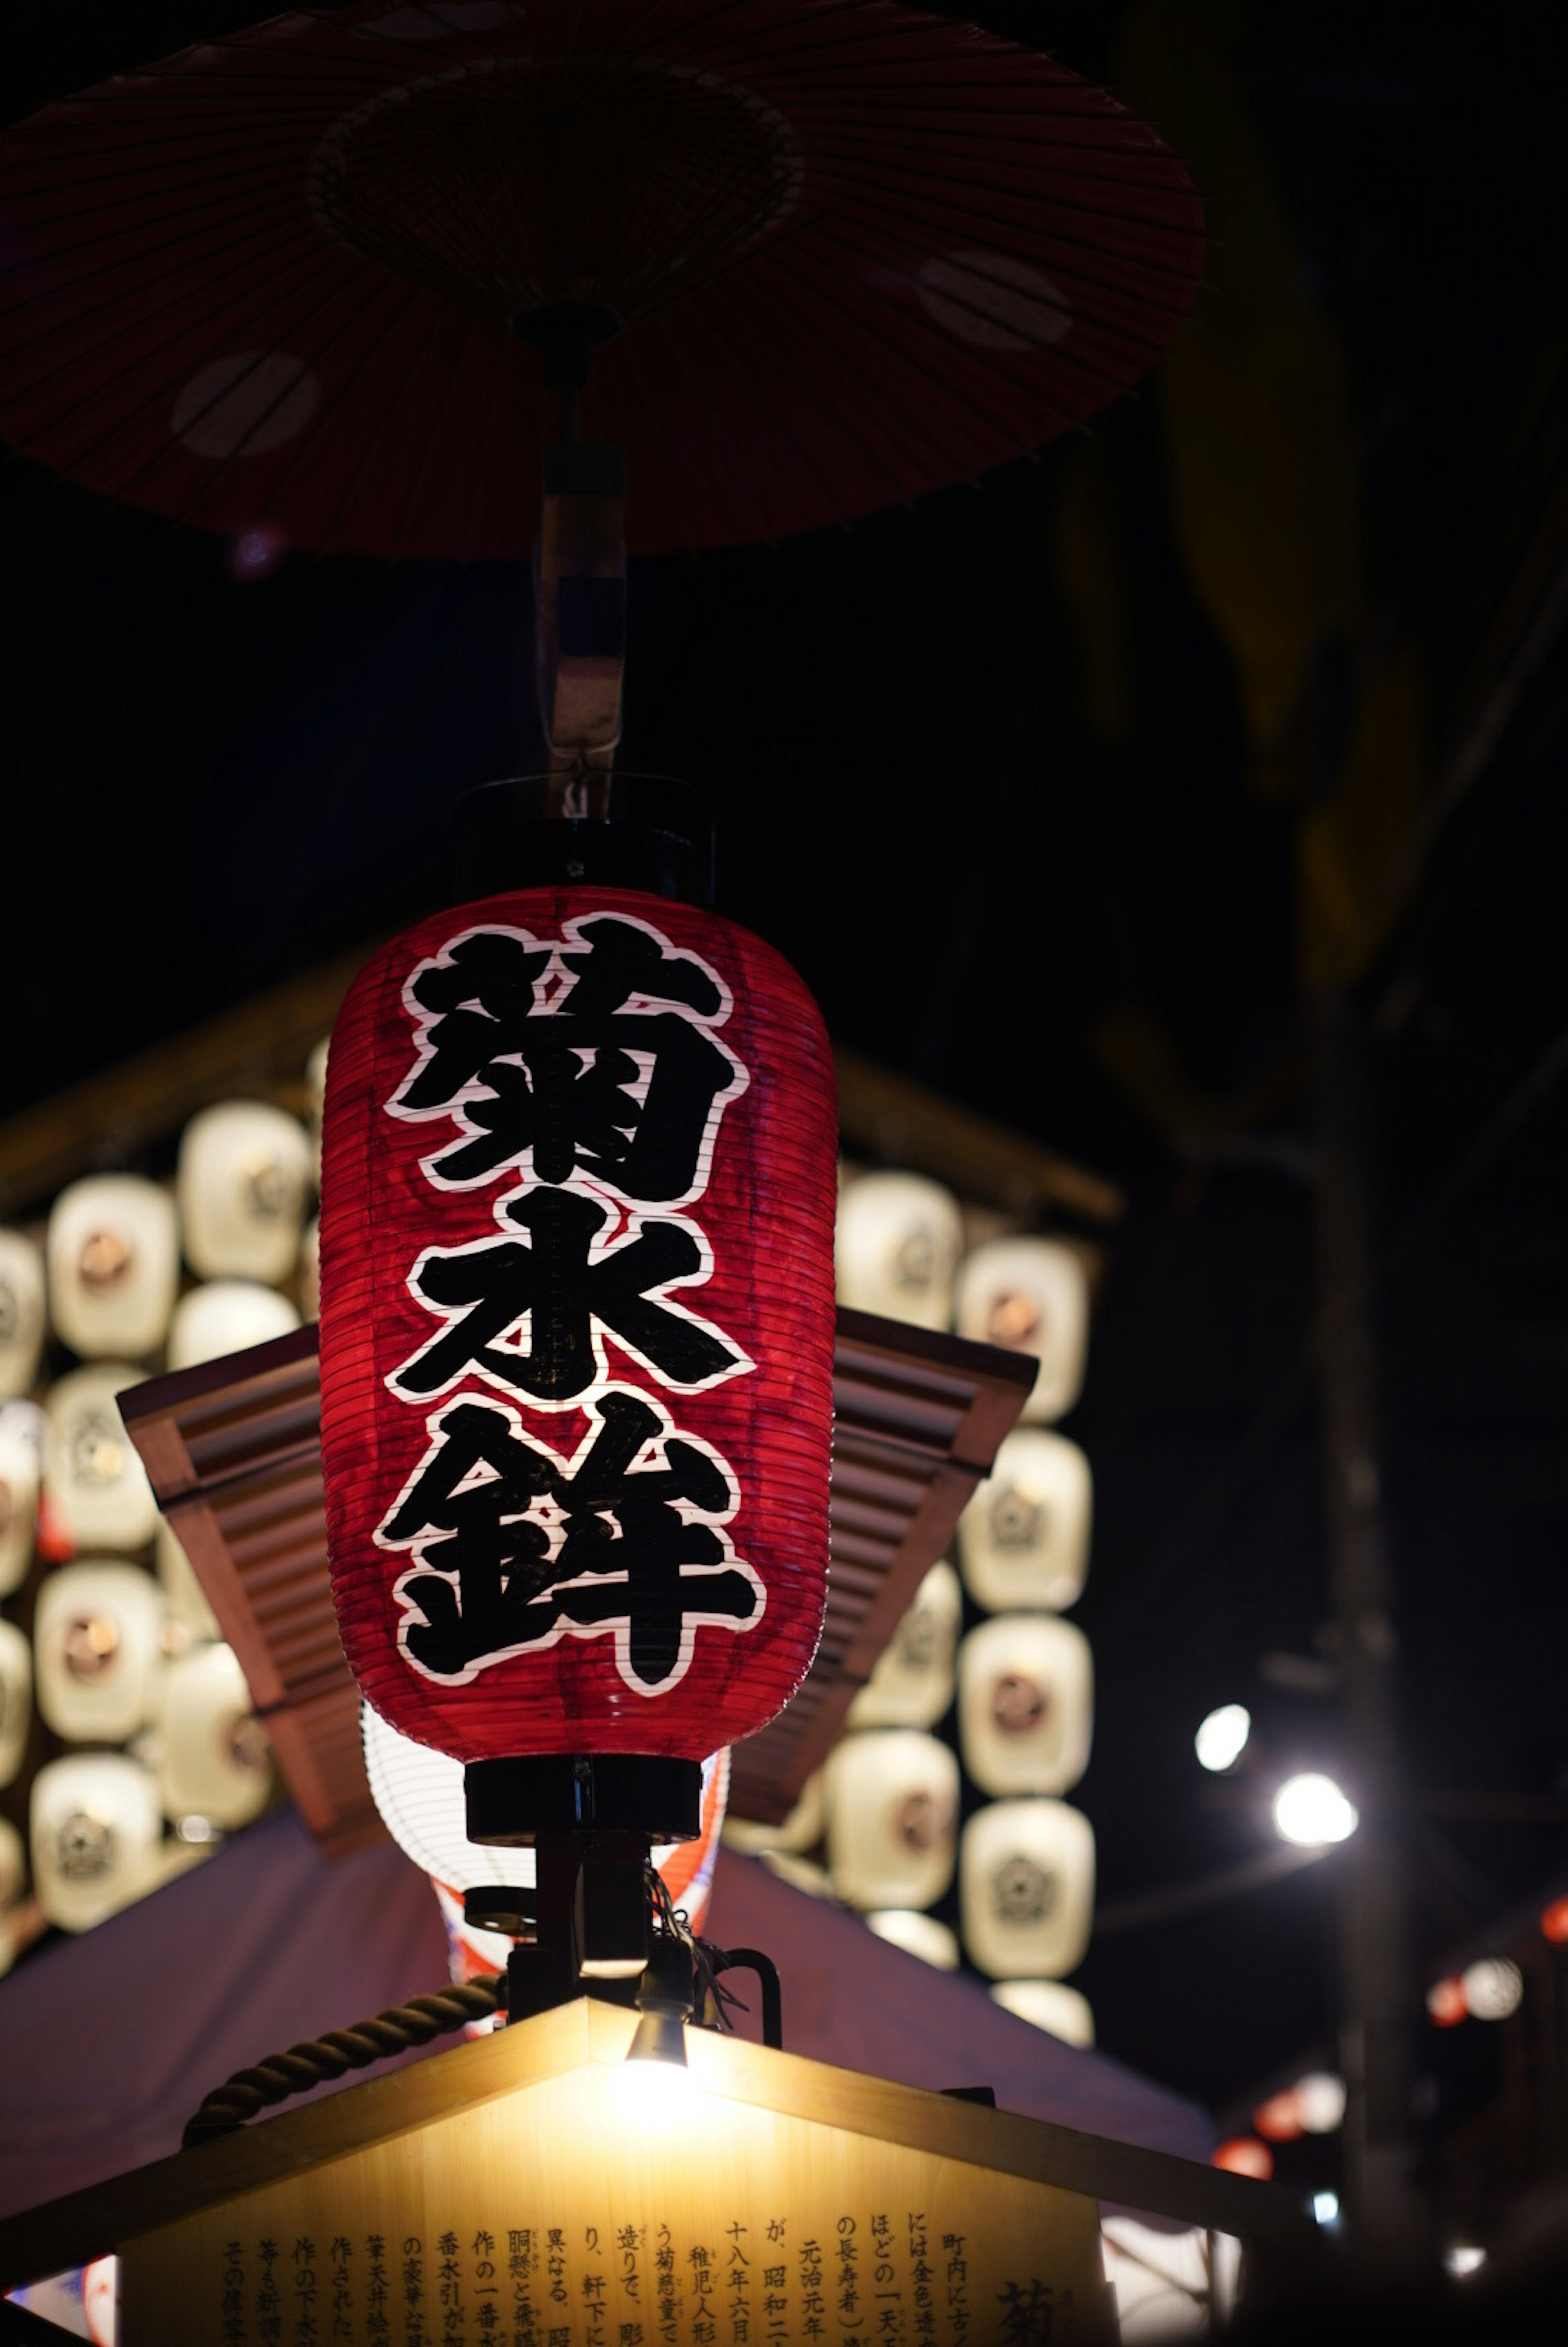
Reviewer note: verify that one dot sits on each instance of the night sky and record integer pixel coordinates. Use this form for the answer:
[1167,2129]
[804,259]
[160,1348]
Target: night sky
[214,779]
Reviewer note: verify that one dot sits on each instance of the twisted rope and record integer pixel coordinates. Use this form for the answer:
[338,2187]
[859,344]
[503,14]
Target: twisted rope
[319,2058]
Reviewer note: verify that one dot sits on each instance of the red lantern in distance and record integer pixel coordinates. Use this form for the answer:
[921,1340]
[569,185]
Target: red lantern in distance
[1554,1922]
[1244,2155]
[578,1186]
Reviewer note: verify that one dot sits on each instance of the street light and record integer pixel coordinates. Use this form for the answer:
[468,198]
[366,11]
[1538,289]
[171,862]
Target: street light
[1311,1811]
[1222,1739]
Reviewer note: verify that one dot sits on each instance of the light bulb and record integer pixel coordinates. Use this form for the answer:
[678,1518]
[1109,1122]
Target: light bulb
[1222,1739]
[1312,1812]
[1464,2258]
[1326,2208]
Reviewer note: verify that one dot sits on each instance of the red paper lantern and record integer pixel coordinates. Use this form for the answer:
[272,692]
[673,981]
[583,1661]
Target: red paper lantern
[1279,2118]
[578,1184]
[1554,1922]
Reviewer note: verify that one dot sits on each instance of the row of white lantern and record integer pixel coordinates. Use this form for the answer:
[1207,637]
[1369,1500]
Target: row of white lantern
[76,1449]
[900,1252]
[1025,1867]
[1024,1684]
[109,1275]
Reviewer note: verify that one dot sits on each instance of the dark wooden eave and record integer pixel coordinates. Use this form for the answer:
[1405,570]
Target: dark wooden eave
[233,1452]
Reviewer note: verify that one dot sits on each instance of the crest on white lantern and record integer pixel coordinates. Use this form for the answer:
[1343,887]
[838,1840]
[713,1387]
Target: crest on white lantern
[226,1316]
[21,1313]
[97,1632]
[94,1476]
[1032,1297]
[244,1175]
[114,1266]
[182,1592]
[15,1700]
[1051,2005]
[1023,1538]
[911,1686]
[896,1249]
[18,1499]
[95,1829]
[1026,1703]
[1026,1889]
[214,1758]
[893,1818]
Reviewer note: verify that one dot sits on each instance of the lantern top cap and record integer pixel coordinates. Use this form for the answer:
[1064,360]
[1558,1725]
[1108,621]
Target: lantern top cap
[645,832]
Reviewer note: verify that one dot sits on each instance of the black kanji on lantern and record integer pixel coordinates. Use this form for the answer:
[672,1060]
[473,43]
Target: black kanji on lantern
[532,1314]
[612,1071]
[515,1546]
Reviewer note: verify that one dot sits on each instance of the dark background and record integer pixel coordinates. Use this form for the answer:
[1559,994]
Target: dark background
[212,780]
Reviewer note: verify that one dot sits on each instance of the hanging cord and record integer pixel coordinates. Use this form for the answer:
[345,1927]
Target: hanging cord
[319,2058]
[709,1962]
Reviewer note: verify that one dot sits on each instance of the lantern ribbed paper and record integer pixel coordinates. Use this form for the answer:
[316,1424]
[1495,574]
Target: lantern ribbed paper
[578,1175]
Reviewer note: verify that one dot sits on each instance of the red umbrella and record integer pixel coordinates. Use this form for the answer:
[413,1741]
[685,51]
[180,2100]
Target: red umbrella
[826,254]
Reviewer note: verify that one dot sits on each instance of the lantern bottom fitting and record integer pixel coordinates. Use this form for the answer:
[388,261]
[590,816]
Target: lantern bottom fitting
[512,1802]
[508,1907]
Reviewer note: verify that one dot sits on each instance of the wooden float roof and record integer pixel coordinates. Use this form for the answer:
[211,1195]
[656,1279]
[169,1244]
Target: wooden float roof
[233,1451]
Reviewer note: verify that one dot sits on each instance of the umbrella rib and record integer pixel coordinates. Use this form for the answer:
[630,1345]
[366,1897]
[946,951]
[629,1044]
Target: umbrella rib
[478,475]
[431,441]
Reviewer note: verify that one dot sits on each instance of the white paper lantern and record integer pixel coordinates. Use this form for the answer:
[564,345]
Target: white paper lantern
[214,1758]
[802,1829]
[893,1818]
[1026,1703]
[897,1247]
[1026,1889]
[917,1936]
[12,1864]
[183,1594]
[114,1266]
[315,1098]
[93,1477]
[911,1686]
[1032,1297]
[1493,1988]
[1061,2012]
[97,1632]
[15,1700]
[1320,2100]
[96,1831]
[244,1175]
[418,1794]
[224,1316]
[311,1270]
[18,1501]
[1023,1538]
[21,1313]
